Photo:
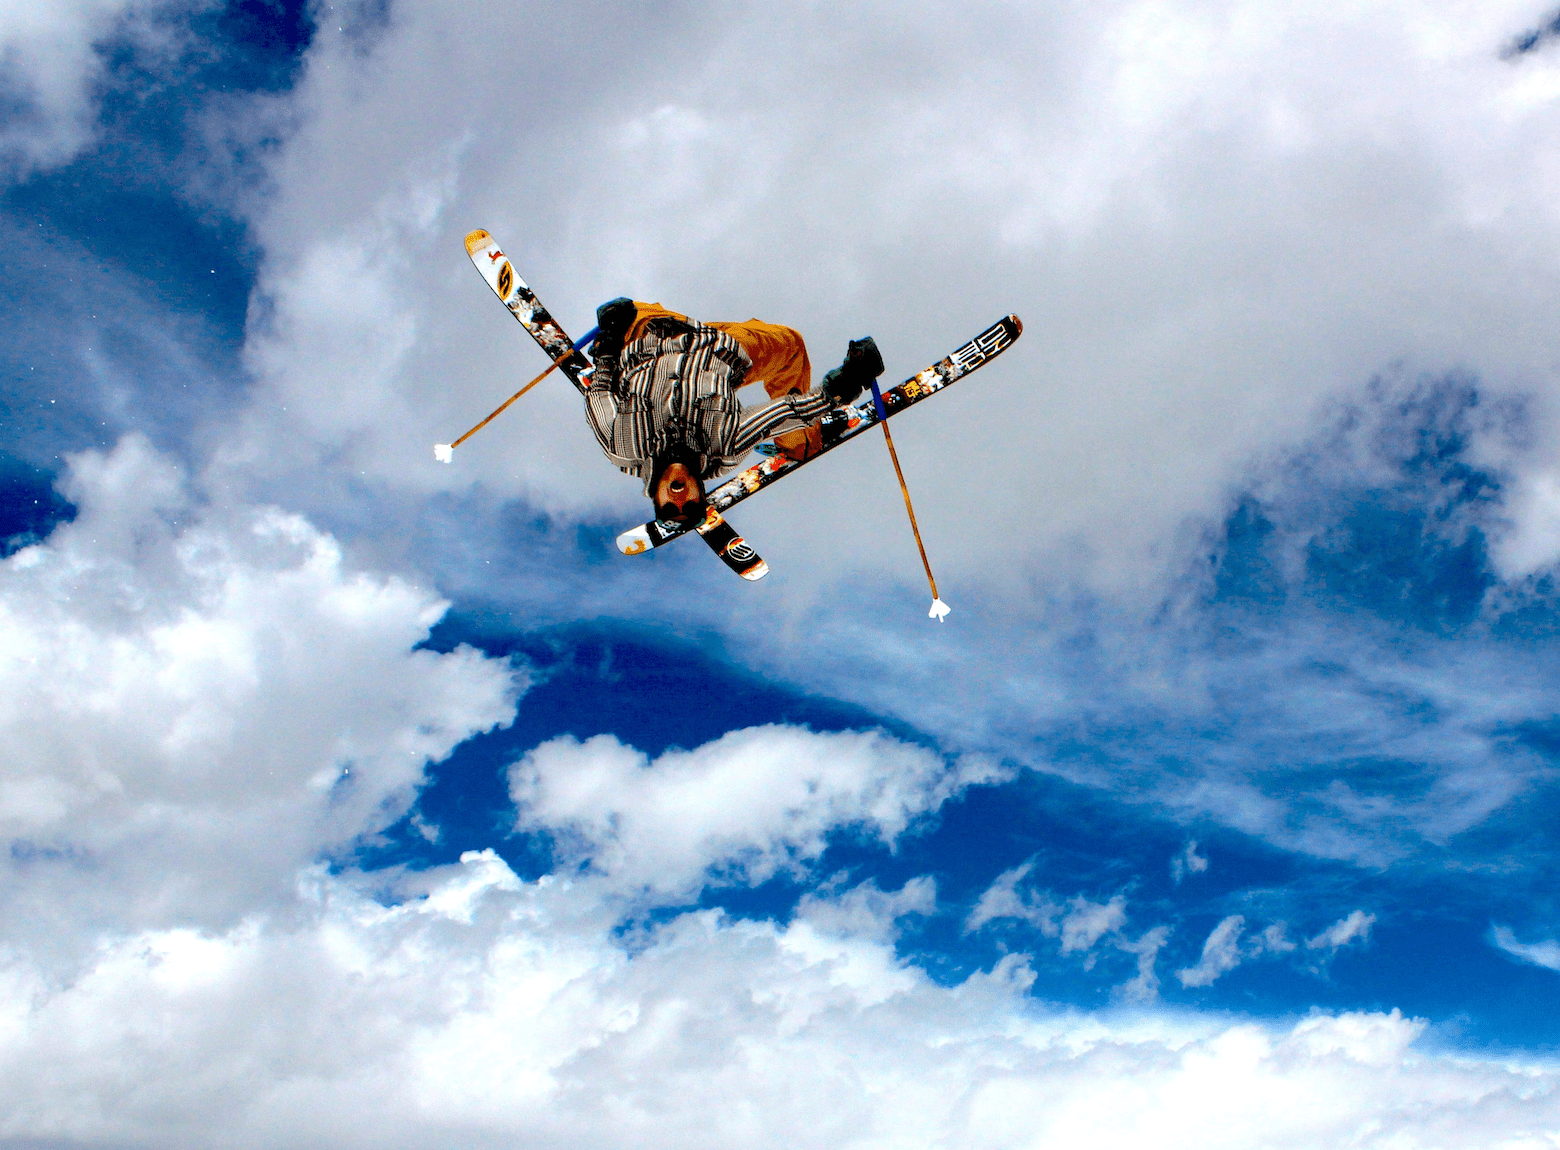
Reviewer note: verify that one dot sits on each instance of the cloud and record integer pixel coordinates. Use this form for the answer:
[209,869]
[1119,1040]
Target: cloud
[1187,862]
[1223,949]
[752,804]
[1546,953]
[1532,39]
[1220,953]
[197,701]
[1355,926]
[1002,899]
[54,62]
[1080,923]
[1086,922]
[1143,987]
[492,1010]
[1210,233]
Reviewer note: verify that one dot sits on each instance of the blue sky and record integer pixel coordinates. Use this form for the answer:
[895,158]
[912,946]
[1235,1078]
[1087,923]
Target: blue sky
[1244,728]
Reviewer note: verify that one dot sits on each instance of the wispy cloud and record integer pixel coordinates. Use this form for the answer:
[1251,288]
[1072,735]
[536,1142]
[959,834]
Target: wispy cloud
[1187,862]
[1221,953]
[1545,954]
[1355,927]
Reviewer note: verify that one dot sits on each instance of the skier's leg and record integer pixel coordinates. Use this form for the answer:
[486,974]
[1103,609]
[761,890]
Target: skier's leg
[779,356]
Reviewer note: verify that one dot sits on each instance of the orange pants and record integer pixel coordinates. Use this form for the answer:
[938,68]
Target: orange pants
[780,362]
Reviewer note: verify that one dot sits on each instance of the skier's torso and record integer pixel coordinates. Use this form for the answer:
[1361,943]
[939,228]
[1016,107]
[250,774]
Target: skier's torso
[674,383]
[677,382]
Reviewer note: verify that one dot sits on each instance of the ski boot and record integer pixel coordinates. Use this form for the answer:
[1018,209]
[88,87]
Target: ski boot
[863,363]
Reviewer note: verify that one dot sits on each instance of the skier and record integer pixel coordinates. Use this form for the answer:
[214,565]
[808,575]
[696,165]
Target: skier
[662,399]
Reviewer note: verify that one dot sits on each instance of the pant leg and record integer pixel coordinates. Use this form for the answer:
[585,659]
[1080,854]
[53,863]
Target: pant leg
[779,357]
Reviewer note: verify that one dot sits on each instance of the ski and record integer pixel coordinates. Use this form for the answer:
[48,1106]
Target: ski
[839,425]
[512,291]
[731,547]
[521,301]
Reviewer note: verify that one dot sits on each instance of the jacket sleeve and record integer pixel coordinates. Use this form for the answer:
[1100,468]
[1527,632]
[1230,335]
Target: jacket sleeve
[601,403]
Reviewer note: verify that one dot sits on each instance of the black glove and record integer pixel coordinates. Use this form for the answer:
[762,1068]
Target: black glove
[613,319]
[863,363]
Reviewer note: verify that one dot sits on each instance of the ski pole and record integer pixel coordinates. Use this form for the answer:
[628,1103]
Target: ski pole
[445,452]
[939,609]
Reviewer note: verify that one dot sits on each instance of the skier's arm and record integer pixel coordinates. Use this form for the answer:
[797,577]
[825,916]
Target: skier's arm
[601,403]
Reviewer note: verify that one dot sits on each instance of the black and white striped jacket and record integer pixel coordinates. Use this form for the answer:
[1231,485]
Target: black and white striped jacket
[675,386]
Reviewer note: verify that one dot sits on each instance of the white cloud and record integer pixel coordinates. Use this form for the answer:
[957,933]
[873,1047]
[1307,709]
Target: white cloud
[1213,219]
[1216,221]
[1187,862]
[181,684]
[1144,985]
[749,805]
[1080,923]
[1546,953]
[1086,922]
[1220,953]
[1002,899]
[1355,925]
[50,53]
[494,1012]
[195,701]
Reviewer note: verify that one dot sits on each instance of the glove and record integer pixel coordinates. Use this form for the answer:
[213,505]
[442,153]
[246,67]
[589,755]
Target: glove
[613,319]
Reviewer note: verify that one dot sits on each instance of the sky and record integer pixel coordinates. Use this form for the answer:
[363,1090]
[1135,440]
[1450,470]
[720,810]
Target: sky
[357,799]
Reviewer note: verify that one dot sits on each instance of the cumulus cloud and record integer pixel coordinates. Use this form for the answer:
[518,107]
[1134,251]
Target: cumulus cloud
[1213,220]
[1212,235]
[196,701]
[489,1011]
[749,805]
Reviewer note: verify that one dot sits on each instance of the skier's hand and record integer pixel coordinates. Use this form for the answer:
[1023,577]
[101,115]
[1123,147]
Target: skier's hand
[613,318]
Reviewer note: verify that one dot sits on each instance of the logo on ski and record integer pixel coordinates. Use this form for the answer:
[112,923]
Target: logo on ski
[506,279]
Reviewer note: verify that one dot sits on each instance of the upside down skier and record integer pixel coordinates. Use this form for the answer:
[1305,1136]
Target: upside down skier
[662,398]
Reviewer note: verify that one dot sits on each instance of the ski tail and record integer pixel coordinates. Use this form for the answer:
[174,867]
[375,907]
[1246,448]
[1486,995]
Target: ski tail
[732,549]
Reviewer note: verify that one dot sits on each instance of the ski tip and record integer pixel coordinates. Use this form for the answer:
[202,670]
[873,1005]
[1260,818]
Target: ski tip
[757,571]
[477,240]
[443,452]
[1018,324]
[634,541]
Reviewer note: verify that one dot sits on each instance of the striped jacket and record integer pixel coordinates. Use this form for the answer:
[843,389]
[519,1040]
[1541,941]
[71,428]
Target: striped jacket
[675,386]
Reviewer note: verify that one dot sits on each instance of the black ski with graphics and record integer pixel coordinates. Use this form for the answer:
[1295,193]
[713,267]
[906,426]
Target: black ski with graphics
[840,425]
